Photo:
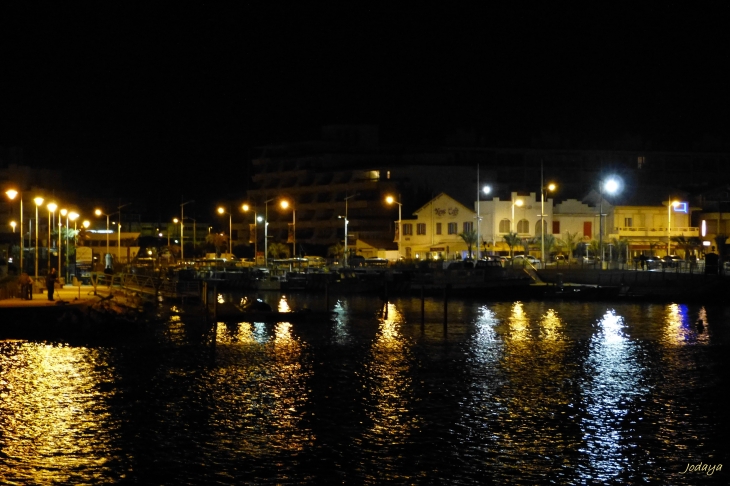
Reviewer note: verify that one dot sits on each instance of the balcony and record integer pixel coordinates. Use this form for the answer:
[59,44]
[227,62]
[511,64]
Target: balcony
[643,232]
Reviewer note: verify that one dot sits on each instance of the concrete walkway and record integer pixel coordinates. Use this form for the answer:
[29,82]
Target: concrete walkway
[67,293]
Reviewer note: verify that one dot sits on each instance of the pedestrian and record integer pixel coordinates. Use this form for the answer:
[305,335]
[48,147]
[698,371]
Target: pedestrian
[25,286]
[51,279]
[643,262]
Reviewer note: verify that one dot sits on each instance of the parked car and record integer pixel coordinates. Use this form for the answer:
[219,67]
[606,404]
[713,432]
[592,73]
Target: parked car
[521,259]
[316,261]
[671,261]
[560,259]
[653,262]
[590,260]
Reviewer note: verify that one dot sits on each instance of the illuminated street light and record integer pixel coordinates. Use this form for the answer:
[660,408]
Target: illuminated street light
[11,193]
[391,200]
[182,230]
[346,223]
[670,205]
[266,231]
[285,204]
[51,221]
[38,201]
[550,187]
[230,228]
[246,208]
[611,186]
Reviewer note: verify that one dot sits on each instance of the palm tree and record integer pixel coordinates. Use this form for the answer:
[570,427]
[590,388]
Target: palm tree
[550,244]
[336,251]
[512,240]
[688,244]
[569,241]
[470,238]
[621,245]
[220,242]
[278,250]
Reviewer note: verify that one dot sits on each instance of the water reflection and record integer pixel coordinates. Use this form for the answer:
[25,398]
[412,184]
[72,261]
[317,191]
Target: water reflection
[612,385]
[389,390]
[51,415]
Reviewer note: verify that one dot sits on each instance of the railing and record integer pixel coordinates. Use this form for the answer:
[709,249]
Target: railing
[657,232]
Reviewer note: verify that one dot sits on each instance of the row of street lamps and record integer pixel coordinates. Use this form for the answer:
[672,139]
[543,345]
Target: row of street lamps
[52,207]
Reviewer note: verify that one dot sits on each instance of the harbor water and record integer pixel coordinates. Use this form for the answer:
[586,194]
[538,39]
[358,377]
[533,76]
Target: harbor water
[511,392]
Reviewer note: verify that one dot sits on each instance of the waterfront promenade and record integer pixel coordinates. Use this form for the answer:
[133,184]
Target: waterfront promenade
[67,294]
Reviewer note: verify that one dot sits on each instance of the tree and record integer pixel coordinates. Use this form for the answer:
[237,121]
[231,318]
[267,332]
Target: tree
[688,244]
[569,241]
[336,251]
[470,238]
[512,240]
[620,246]
[278,250]
[220,242]
[550,244]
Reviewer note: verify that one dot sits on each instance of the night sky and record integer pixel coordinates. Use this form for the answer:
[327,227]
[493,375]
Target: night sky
[138,99]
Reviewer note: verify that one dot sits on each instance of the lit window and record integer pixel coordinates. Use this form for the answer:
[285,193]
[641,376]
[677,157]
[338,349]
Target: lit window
[504,226]
[523,226]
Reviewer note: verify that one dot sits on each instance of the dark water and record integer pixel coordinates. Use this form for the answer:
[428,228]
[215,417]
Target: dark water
[509,393]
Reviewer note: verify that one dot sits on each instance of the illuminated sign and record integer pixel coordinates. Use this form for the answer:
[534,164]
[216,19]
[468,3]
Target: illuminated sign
[681,207]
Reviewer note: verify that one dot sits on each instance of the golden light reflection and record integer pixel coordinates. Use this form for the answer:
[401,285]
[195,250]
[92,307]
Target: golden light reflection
[388,377]
[50,401]
[519,323]
[676,330]
[550,326]
[283,305]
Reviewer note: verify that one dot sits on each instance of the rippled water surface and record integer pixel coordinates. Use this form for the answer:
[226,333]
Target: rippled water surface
[505,393]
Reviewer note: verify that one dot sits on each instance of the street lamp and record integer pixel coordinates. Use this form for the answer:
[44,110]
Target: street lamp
[266,231]
[391,200]
[611,186]
[182,229]
[51,221]
[99,212]
[486,190]
[62,212]
[550,187]
[346,223]
[285,204]
[517,203]
[670,205]
[246,208]
[38,201]
[11,194]
[230,228]
[72,216]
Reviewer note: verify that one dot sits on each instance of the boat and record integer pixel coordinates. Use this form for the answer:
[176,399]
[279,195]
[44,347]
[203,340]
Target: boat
[228,312]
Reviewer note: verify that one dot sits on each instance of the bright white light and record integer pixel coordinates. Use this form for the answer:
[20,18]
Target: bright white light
[611,186]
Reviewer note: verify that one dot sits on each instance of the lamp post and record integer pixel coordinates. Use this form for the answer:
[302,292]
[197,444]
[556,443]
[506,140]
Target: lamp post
[99,212]
[38,201]
[11,194]
[182,229]
[230,228]
[176,221]
[285,204]
[486,190]
[346,223]
[519,203]
[391,200]
[72,216]
[51,221]
[550,187]
[62,212]
[266,231]
[246,208]
[670,205]
[611,185]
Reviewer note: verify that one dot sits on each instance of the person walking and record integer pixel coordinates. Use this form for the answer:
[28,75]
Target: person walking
[26,286]
[51,283]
